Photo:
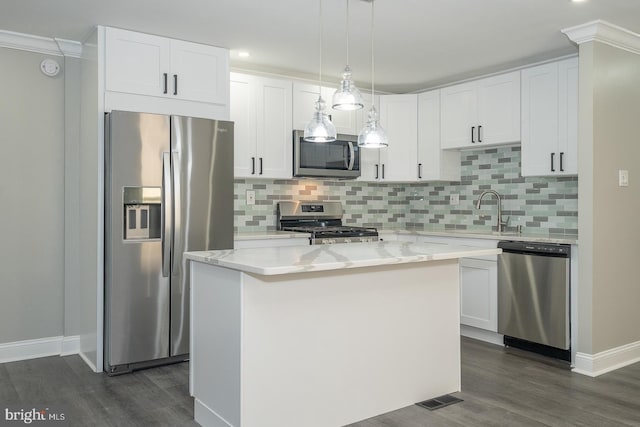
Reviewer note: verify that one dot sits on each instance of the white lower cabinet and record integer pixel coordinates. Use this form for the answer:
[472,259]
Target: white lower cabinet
[479,293]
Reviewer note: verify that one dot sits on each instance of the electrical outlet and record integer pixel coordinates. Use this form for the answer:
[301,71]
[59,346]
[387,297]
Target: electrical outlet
[623,178]
[251,197]
[454,199]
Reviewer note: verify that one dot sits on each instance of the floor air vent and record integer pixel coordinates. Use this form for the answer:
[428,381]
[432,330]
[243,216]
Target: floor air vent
[439,402]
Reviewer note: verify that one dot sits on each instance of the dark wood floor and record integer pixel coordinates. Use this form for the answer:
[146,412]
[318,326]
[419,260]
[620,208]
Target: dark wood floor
[501,388]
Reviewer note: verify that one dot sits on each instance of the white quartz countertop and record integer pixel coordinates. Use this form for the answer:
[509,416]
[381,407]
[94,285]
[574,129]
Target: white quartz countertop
[489,235]
[258,235]
[298,259]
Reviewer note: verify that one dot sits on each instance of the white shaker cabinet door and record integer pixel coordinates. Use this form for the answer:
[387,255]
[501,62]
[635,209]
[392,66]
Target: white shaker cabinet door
[550,119]
[136,63]
[399,117]
[479,294]
[458,116]
[243,114]
[499,109]
[199,72]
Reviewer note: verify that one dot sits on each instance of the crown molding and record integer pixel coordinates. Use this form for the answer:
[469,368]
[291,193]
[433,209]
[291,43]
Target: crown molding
[604,32]
[38,44]
[70,48]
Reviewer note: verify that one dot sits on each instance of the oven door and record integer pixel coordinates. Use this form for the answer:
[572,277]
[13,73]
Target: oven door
[337,159]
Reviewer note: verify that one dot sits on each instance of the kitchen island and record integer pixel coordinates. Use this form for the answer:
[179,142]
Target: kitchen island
[322,336]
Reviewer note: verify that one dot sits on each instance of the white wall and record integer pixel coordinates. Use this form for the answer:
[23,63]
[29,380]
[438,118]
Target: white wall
[32,124]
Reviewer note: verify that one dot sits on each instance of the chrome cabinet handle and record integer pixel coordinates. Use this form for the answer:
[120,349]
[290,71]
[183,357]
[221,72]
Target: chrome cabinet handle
[166,217]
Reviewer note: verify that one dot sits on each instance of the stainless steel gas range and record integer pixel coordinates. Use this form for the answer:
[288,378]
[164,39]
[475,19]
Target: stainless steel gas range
[323,220]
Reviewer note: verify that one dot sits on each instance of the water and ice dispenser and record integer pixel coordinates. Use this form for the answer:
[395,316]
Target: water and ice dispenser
[142,207]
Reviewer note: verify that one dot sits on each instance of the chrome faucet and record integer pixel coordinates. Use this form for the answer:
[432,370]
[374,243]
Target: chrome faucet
[501,225]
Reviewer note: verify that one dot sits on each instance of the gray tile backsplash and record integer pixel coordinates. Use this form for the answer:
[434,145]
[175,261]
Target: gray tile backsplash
[539,204]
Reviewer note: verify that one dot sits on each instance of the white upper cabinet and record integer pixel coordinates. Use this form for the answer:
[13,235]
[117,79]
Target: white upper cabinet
[261,112]
[305,96]
[369,157]
[399,117]
[434,164]
[481,113]
[144,64]
[550,119]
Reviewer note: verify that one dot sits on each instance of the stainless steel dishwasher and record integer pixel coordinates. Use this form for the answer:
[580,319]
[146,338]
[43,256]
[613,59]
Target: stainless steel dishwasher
[533,297]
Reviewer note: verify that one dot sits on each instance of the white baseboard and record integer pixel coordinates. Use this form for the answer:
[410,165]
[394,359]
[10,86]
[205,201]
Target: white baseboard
[41,347]
[597,364]
[481,335]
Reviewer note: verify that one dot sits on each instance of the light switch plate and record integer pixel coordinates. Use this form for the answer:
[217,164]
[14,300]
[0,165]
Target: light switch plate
[623,178]
[251,197]
[454,199]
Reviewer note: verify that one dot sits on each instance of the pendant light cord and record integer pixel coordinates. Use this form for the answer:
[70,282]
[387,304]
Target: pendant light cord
[372,51]
[320,74]
[347,20]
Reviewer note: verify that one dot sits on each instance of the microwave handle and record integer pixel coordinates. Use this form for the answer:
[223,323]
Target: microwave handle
[352,156]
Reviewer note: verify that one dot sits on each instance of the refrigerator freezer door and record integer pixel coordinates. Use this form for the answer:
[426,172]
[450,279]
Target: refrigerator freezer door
[136,293]
[202,162]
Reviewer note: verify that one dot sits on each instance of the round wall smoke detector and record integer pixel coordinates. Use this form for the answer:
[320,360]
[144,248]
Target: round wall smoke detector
[50,67]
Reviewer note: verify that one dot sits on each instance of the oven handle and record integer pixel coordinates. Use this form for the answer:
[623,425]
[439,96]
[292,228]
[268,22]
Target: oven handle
[352,156]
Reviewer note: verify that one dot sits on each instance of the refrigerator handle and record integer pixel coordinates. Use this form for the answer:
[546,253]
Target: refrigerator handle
[166,216]
[177,217]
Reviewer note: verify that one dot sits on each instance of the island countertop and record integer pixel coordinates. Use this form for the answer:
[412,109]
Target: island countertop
[299,259]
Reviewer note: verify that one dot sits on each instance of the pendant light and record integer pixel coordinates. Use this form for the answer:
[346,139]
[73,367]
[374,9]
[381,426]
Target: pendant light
[372,135]
[320,128]
[347,97]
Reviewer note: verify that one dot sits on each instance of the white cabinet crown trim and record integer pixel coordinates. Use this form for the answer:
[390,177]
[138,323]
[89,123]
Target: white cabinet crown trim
[38,44]
[604,32]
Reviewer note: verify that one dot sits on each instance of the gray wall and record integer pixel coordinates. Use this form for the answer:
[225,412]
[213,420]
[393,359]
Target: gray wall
[609,136]
[32,198]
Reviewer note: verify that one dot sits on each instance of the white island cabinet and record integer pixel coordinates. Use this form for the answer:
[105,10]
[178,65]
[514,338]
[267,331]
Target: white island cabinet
[320,336]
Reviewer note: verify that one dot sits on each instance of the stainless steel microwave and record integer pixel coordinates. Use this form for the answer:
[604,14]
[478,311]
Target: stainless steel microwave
[339,159]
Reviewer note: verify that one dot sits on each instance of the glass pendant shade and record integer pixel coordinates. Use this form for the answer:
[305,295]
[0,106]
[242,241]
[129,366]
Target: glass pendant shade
[347,97]
[373,135]
[320,128]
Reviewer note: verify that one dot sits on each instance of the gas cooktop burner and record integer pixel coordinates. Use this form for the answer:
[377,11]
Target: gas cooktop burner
[323,220]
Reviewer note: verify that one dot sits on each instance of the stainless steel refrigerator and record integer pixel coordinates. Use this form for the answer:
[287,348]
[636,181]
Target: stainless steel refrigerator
[168,189]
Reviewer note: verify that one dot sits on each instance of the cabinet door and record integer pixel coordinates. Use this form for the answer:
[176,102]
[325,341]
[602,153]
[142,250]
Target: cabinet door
[499,109]
[539,119]
[243,114]
[369,157]
[433,163]
[199,72]
[399,117]
[479,294]
[568,117]
[136,63]
[458,116]
[274,130]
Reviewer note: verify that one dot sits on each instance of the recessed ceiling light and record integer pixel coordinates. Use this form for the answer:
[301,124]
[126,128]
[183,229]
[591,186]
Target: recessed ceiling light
[577,1]
[243,54]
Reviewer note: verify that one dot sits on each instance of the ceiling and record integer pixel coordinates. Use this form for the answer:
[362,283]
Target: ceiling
[419,43]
